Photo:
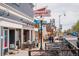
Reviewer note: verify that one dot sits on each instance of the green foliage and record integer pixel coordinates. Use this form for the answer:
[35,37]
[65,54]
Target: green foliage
[76,27]
[69,31]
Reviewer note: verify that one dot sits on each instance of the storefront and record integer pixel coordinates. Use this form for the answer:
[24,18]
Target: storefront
[10,35]
[16,26]
[4,40]
[13,36]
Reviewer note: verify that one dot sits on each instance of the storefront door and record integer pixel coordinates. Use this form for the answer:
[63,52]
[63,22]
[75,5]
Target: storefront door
[11,39]
[6,40]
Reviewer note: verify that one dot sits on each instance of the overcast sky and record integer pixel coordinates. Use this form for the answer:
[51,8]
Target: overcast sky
[70,9]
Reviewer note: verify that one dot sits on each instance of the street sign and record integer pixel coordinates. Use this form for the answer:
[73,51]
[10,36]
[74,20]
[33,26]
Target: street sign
[43,27]
[45,13]
[44,22]
[36,26]
[42,12]
[36,21]
[36,29]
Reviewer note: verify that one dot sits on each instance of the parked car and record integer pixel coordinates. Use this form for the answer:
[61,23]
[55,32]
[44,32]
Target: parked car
[74,34]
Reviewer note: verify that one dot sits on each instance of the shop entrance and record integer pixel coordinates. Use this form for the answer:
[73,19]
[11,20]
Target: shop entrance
[26,35]
[18,38]
[11,39]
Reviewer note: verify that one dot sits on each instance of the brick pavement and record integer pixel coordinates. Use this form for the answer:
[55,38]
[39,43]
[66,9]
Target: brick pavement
[25,51]
[19,53]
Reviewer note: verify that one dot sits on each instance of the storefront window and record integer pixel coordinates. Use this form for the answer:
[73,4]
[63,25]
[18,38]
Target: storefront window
[5,38]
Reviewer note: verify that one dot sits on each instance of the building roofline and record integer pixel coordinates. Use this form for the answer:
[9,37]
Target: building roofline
[11,20]
[18,11]
[14,13]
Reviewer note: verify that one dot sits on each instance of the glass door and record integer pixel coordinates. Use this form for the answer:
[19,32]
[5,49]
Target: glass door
[6,40]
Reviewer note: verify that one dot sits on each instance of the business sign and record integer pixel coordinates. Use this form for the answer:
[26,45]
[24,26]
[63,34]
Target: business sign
[42,12]
[36,25]
[36,21]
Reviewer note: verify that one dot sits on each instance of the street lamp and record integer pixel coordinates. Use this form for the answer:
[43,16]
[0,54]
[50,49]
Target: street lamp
[41,33]
[60,25]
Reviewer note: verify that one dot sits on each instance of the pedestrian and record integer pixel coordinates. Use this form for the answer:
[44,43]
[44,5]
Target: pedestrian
[49,39]
[36,42]
[78,44]
[61,38]
[52,38]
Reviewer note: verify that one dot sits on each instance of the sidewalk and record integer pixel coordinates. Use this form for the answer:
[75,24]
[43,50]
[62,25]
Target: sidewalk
[25,51]
[19,53]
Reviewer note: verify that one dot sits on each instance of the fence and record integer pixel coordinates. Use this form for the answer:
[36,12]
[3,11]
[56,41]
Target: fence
[59,50]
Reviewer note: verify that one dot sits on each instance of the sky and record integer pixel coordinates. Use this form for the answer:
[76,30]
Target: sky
[71,10]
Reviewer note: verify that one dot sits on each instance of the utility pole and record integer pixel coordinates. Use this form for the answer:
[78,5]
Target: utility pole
[59,24]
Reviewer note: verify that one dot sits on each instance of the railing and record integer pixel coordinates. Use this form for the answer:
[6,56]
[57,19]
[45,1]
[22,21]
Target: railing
[65,52]
[62,50]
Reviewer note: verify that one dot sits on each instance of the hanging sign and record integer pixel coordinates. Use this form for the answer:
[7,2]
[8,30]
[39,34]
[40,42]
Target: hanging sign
[42,12]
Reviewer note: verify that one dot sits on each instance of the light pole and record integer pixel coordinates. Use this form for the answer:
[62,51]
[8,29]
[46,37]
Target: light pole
[60,25]
[41,34]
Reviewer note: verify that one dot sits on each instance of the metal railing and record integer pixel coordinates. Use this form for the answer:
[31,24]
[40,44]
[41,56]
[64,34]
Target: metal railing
[66,52]
[62,50]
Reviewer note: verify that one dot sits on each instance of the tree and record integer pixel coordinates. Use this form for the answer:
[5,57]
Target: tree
[68,31]
[76,27]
